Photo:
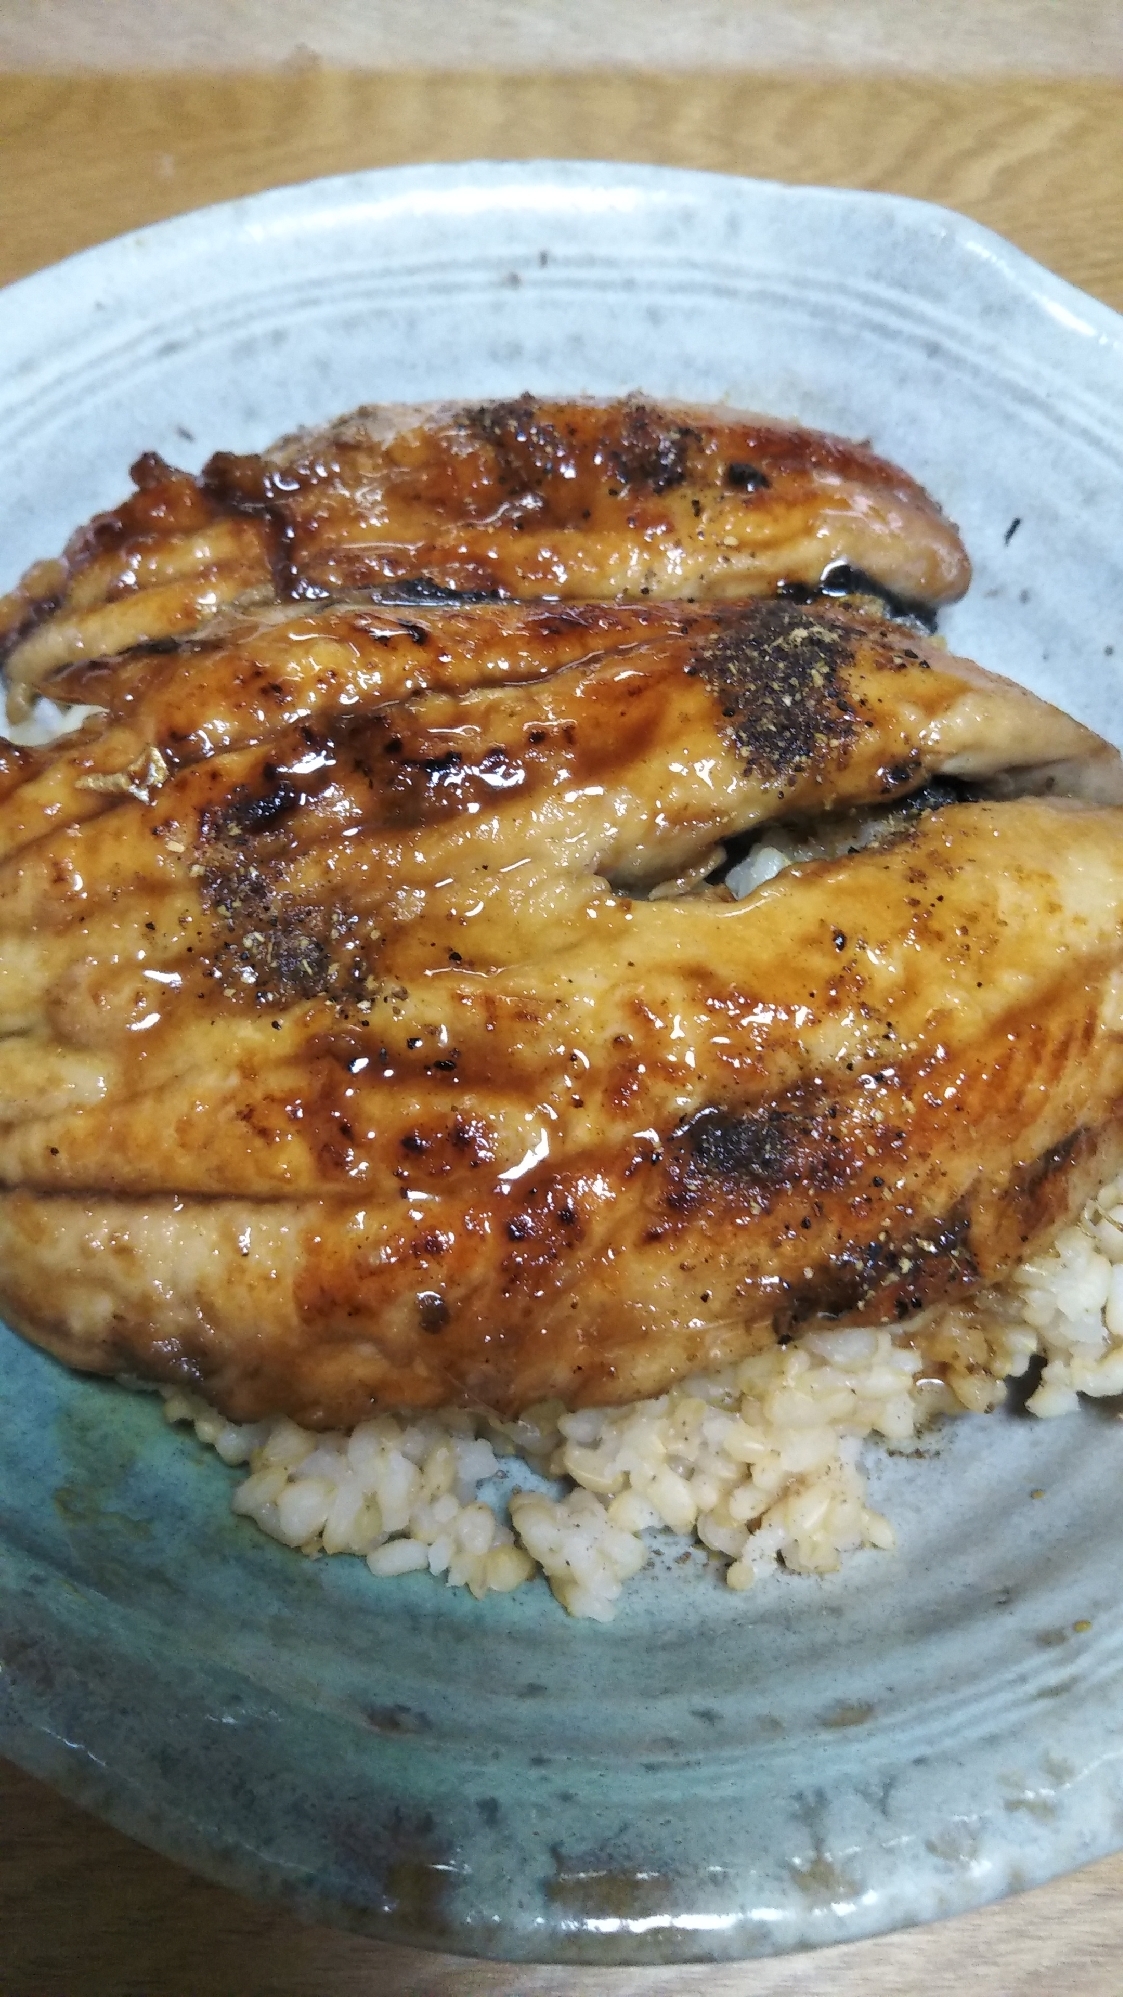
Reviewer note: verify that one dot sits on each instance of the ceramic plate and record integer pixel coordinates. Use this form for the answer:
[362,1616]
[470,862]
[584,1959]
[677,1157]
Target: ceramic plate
[712,1774]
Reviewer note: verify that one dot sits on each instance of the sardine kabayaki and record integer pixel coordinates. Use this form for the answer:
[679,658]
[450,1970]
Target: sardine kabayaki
[524,499]
[380,1031]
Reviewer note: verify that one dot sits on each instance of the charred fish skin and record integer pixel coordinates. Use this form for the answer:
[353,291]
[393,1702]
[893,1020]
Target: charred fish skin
[626,1164]
[622,740]
[524,499]
[366,1075]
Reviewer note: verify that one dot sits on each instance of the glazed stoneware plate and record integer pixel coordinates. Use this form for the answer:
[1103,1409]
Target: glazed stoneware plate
[712,1774]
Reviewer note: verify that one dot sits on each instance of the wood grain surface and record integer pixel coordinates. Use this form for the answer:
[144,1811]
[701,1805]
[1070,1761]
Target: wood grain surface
[906,37]
[86,157]
[83,1911]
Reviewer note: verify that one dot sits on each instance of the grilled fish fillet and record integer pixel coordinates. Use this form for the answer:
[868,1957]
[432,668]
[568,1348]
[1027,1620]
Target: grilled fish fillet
[349,1064]
[514,499]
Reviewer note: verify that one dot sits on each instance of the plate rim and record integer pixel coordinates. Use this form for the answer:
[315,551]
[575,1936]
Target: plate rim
[118,255]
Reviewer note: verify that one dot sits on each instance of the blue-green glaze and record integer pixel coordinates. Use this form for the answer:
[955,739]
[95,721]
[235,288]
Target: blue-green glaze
[710,1775]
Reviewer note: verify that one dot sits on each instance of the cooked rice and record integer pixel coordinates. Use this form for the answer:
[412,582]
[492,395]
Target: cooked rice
[758,1464]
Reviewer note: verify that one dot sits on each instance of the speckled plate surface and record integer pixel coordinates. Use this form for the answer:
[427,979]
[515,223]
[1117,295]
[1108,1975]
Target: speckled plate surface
[711,1775]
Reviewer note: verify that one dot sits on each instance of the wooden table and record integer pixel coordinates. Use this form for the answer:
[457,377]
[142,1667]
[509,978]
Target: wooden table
[84,1911]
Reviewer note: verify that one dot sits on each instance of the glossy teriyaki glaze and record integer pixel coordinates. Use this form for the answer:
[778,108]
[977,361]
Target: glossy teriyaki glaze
[367,1073]
[515,499]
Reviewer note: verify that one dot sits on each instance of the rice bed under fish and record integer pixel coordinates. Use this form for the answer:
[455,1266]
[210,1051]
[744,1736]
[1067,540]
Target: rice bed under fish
[760,1463]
